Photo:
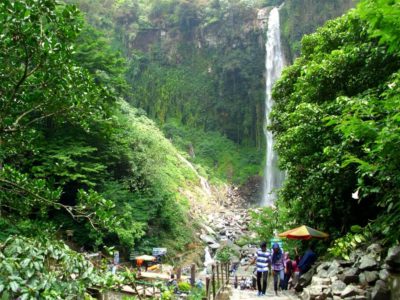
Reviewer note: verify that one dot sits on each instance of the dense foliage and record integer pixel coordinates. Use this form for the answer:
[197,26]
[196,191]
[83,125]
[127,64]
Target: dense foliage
[74,155]
[336,123]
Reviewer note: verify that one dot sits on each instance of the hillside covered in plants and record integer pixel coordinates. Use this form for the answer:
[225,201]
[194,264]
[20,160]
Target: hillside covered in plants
[114,114]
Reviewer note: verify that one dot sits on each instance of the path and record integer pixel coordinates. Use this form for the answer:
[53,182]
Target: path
[238,294]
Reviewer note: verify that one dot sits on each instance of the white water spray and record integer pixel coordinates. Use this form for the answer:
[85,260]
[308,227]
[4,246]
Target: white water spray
[273,177]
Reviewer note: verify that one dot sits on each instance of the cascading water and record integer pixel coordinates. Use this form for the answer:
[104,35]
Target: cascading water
[208,261]
[273,177]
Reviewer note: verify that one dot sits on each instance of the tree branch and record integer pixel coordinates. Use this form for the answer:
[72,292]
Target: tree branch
[68,208]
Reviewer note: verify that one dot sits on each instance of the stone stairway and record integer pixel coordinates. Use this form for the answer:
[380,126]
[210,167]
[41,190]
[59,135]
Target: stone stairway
[238,294]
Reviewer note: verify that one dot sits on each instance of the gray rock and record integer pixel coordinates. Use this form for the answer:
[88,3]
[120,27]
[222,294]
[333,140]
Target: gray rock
[305,295]
[368,263]
[349,276]
[208,229]
[383,274]
[349,291]
[323,266]
[323,274]
[337,287]
[374,249]
[320,281]
[214,246]
[393,259]
[380,291]
[368,277]
[355,255]
[305,279]
[315,290]
[345,263]
[333,269]
[207,239]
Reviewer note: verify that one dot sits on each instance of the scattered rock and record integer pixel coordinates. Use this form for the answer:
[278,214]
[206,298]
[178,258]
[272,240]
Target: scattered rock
[350,276]
[393,259]
[368,263]
[208,239]
[380,291]
[338,287]
[368,277]
[349,291]
[383,274]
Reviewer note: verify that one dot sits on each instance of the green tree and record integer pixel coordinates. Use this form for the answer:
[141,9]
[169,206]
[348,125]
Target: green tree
[335,126]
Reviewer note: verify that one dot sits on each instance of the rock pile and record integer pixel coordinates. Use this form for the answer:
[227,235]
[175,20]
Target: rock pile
[365,276]
[225,227]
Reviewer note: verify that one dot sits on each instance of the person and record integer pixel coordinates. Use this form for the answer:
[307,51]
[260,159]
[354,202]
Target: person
[172,284]
[288,271]
[262,259]
[307,260]
[296,270]
[278,266]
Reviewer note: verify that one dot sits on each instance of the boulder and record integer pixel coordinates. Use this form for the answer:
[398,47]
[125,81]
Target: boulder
[207,239]
[208,229]
[380,291]
[214,246]
[368,277]
[333,269]
[383,274]
[315,290]
[368,263]
[345,263]
[349,276]
[393,259]
[320,281]
[338,287]
[323,266]
[305,295]
[305,279]
[374,250]
[350,291]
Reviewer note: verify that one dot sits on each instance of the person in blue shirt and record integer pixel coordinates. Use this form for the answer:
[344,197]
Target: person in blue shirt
[307,260]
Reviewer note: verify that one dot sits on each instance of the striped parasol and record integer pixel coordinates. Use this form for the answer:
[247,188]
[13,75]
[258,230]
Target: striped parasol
[303,233]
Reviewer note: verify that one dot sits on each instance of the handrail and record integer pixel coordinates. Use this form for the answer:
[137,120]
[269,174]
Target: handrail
[217,282]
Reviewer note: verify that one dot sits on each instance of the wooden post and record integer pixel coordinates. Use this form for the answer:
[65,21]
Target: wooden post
[178,274]
[192,274]
[213,281]
[222,276]
[207,288]
[218,280]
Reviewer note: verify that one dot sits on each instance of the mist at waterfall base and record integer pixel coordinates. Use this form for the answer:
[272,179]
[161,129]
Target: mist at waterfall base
[273,177]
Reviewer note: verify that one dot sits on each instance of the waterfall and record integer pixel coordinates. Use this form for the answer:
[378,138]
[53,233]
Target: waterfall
[208,261]
[273,177]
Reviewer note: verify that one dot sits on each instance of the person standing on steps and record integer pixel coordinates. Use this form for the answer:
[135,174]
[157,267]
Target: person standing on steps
[288,270]
[278,266]
[262,260]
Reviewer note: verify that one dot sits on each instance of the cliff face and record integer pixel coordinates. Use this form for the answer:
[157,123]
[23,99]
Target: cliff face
[300,17]
[202,62]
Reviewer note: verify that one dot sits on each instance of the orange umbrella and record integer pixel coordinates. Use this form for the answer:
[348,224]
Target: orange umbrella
[303,233]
